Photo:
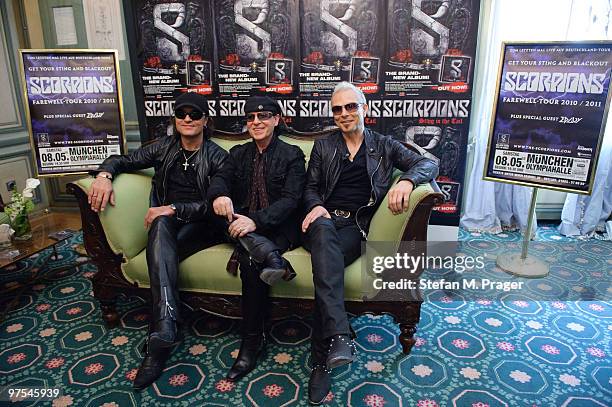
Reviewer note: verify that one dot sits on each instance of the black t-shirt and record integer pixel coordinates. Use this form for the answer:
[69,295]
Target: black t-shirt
[353,189]
[181,183]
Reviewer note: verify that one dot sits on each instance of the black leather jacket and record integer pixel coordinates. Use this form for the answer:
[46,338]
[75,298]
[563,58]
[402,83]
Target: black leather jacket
[160,155]
[383,154]
[285,172]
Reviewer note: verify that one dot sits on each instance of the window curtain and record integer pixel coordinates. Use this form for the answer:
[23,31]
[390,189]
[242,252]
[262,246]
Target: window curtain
[494,206]
[585,215]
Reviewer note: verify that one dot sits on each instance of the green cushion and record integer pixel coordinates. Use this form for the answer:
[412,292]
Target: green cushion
[213,278]
[124,223]
[388,227]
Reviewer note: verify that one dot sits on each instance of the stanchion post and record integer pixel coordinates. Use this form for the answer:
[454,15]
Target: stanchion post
[527,237]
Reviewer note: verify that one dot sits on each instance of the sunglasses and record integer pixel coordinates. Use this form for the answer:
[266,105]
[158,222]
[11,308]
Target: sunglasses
[194,114]
[349,107]
[250,117]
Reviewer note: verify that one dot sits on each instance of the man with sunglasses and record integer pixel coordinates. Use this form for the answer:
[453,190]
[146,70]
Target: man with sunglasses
[349,174]
[258,191]
[179,220]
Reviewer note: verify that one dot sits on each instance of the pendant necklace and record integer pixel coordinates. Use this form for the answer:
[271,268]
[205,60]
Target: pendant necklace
[186,163]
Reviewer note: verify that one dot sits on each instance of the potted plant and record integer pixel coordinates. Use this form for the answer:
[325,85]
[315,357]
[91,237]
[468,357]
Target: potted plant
[17,211]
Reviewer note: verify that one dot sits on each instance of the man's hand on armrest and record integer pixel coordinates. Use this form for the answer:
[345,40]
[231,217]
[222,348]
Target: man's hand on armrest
[101,192]
[399,196]
[313,215]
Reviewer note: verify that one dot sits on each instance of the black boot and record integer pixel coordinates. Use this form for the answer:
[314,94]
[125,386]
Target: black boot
[265,252]
[319,384]
[151,367]
[341,351]
[164,335]
[276,268]
[251,347]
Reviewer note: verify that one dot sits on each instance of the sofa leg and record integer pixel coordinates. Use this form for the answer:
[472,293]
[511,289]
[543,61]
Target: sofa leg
[408,325]
[406,337]
[109,313]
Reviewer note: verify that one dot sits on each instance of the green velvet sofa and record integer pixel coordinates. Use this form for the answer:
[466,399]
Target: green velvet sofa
[116,242]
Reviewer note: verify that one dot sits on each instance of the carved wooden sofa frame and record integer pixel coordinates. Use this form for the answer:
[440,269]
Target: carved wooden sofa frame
[109,282]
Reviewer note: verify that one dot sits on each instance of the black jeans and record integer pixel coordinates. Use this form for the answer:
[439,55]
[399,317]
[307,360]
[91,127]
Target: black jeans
[171,241]
[333,244]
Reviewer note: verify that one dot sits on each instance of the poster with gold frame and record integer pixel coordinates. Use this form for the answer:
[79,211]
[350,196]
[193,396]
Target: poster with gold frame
[550,111]
[74,108]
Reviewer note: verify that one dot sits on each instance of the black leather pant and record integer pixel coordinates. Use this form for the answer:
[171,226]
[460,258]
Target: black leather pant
[254,290]
[171,241]
[333,244]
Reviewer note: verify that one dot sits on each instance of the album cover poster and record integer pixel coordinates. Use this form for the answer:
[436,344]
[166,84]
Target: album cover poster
[74,109]
[257,44]
[172,49]
[431,47]
[341,40]
[550,114]
[440,127]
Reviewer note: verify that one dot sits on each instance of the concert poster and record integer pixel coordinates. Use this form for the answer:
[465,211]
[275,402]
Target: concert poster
[551,108]
[74,108]
[172,50]
[440,128]
[431,46]
[341,40]
[257,47]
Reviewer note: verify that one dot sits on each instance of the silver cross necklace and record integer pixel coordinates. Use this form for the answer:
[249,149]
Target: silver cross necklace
[186,163]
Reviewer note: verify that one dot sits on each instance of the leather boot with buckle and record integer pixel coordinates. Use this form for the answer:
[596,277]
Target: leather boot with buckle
[251,348]
[151,367]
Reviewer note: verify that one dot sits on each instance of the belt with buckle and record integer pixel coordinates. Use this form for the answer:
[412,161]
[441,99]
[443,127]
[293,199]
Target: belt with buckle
[342,214]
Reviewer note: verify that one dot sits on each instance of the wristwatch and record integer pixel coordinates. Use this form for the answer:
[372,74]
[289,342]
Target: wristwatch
[103,175]
[173,207]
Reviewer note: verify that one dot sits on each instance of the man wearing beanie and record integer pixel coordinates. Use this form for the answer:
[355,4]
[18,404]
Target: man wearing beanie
[179,220]
[258,191]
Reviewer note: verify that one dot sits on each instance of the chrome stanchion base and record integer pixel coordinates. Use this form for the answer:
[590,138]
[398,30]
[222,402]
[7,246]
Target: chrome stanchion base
[530,267]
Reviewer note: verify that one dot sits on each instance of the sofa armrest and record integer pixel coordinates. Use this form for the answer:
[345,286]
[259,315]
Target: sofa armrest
[123,223]
[409,225]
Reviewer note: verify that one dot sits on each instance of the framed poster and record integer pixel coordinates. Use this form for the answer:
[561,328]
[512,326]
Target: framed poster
[551,107]
[74,108]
